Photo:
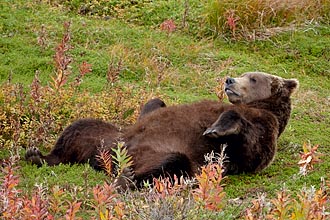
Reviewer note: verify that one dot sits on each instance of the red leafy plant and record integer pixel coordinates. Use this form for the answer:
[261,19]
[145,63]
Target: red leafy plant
[119,158]
[105,159]
[164,187]
[114,69]
[15,204]
[257,210]
[310,203]
[308,158]
[11,202]
[168,26]
[37,206]
[107,202]
[84,68]
[42,37]
[72,210]
[231,22]
[210,192]
[44,204]
[62,59]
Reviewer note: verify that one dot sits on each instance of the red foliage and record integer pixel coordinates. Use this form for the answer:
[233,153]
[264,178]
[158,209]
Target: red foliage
[168,26]
[62,59]
[84,68]
[73,209]
[11,202]
[210,191]
[165,187]
[232,21]
[308,158]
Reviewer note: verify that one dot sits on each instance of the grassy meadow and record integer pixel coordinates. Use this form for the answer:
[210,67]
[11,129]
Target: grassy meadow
[65,60]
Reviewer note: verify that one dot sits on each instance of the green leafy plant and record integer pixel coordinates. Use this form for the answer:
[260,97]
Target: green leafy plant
[121,158]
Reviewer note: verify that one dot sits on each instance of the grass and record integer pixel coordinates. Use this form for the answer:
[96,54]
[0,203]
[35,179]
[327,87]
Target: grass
[182,66]
[256,19]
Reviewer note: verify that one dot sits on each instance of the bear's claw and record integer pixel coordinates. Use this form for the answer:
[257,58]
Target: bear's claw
[33,155]
[126,180]
[228,123]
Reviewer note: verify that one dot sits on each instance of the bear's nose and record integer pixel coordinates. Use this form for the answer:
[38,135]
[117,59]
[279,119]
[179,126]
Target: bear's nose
[230,81]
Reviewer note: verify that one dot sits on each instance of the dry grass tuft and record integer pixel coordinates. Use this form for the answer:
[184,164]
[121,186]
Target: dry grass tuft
[250,19]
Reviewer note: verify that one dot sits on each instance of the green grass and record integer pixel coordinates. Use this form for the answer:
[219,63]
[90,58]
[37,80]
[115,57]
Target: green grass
[189,64]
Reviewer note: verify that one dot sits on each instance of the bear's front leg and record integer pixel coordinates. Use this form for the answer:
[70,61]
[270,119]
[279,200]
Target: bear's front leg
[228,123]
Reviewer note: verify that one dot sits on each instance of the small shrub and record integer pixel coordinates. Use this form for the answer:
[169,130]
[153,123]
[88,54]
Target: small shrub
[309,157]
[210,192]
[166,199]
[62,59]
[11,202]
[119,158]
[105,159]
[220,89]
[163,187]
[309,203]
[106,202]
[113,72]
[168,26]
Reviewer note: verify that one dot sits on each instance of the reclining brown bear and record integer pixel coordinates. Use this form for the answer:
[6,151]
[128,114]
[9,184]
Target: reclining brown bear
[174,140]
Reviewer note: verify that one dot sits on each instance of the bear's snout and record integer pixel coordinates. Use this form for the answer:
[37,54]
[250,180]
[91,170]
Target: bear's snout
[230,81]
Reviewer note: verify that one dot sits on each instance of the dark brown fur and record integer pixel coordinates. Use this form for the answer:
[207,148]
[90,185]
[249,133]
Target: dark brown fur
[174,140]
[78,143]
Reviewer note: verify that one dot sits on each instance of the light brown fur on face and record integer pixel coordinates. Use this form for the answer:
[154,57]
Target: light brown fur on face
[250,87]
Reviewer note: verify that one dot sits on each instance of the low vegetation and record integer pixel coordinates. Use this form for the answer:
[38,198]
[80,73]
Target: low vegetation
[64,60]
[251,19]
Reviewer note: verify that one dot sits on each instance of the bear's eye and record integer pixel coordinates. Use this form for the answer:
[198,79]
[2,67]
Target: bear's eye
[253,80]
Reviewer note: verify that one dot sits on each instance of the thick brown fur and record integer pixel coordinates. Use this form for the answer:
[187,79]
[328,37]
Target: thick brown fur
[78,143]
[173,140]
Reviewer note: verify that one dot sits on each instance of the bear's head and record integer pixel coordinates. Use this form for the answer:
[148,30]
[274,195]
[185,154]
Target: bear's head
[256,86]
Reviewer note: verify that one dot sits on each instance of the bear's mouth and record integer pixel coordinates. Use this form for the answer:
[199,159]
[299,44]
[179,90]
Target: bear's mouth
[231,92]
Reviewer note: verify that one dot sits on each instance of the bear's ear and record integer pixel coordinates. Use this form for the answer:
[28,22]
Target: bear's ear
[291,85]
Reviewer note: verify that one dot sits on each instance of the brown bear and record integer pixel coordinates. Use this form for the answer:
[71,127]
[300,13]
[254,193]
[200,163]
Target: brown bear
[81,141]
[173,140]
